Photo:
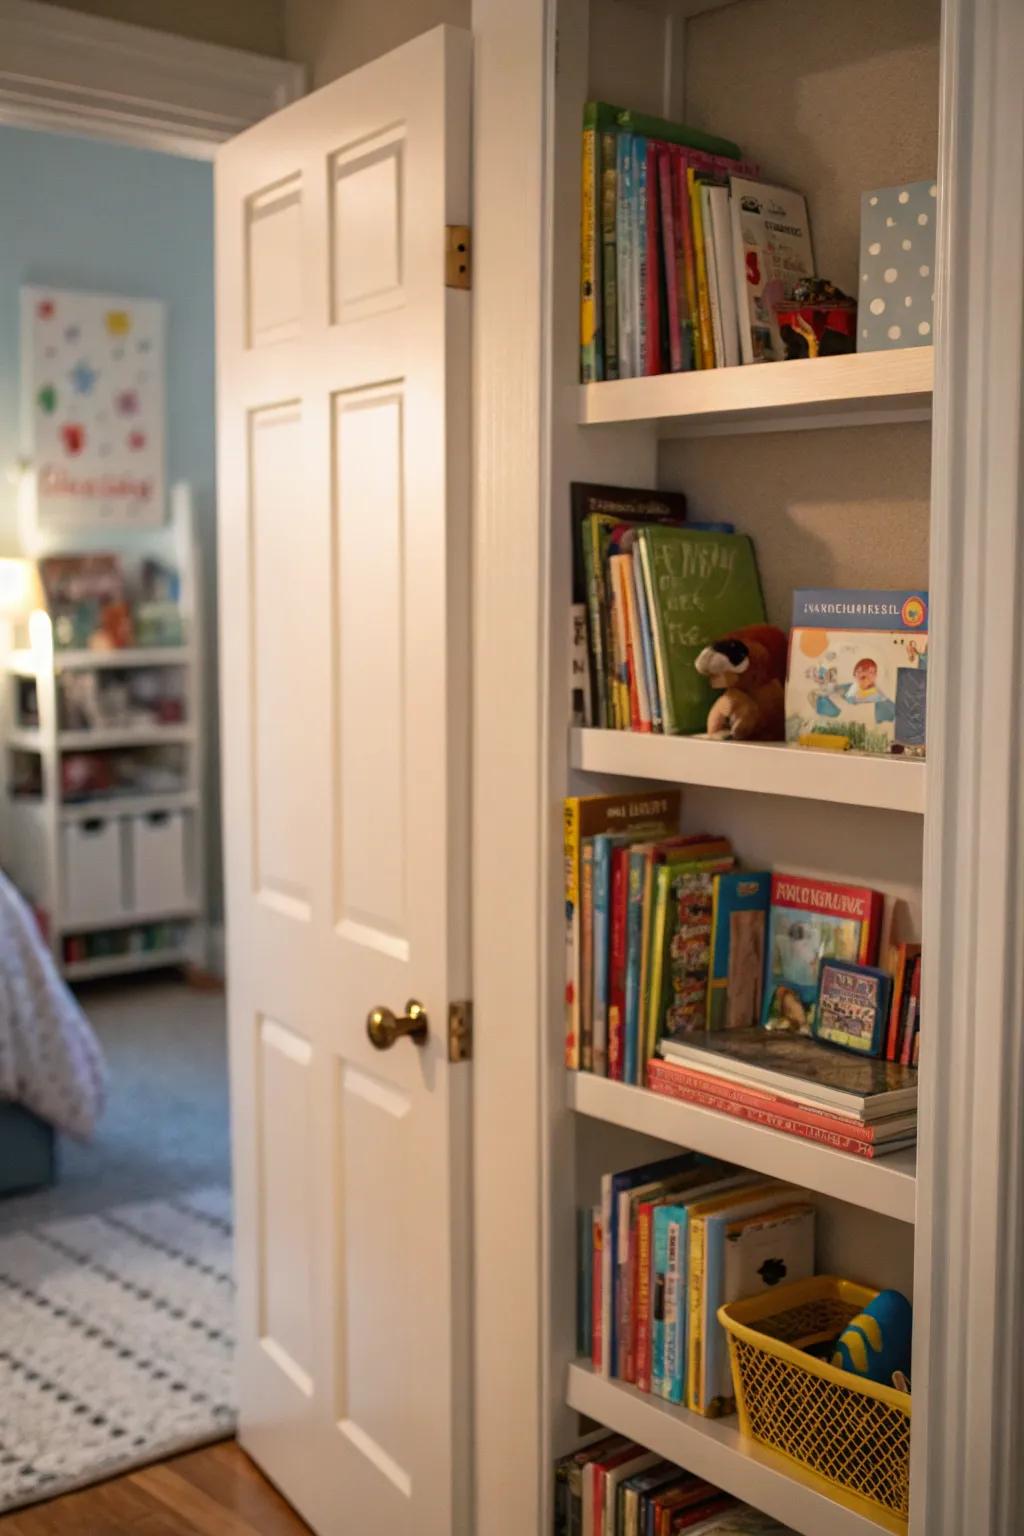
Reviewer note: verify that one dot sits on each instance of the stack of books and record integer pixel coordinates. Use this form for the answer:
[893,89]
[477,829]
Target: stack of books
[617,1487]
[685,254]
[670,1243]
[794,1084]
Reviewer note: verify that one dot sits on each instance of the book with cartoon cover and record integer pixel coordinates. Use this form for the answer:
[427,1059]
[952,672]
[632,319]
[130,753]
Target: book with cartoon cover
[810,921]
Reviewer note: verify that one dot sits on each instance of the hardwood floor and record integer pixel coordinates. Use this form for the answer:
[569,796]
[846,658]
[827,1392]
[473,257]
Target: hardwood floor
[213,1492]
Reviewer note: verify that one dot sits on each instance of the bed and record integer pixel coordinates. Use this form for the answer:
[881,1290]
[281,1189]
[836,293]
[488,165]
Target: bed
[52,1074]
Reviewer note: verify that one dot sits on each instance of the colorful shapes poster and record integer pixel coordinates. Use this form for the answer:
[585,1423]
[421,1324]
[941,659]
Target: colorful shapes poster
[93,391]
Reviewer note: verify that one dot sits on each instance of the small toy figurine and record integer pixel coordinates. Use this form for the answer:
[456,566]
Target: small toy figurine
[750,667]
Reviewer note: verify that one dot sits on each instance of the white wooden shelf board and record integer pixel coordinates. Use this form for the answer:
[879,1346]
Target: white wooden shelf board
[863,388]
[129,805]
[24,738]
[144,736]
[122,965]
[25,664]
[887,1184]
[181,913]
[767,768]
[714,1449]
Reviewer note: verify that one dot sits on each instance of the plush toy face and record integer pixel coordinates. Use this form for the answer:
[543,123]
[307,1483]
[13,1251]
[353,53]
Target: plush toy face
[725,664]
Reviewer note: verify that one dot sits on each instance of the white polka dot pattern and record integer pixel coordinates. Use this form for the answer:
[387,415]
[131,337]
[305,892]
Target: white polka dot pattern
[897,254]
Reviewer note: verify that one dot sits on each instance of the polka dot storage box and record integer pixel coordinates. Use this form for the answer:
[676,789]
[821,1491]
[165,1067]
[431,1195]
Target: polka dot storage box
[844,1436]
[897,267]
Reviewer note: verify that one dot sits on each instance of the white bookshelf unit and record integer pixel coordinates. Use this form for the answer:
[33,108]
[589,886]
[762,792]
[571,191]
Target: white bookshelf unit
[834,469]
[127,866]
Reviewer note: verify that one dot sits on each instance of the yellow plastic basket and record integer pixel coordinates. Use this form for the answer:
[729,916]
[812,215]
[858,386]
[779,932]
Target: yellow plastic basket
[849,1437]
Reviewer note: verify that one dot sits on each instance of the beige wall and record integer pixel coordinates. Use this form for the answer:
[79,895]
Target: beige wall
[254,24]
[333,36]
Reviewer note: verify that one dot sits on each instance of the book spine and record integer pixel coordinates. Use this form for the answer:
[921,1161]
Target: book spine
[707,346]
[695,1313]
[571,844]
[590,367]
[617,963]
[659,1280]
[647,922]
[609,274]
[642,1310]
[607,1270]
[660,662]
[624,252]
[669,246]
[907,1046]
[711,267]
[602,896]
[595,612]
[634,942]
[898,966]
[620,685]
[675,1311]
[652,296]
[587,958]
[689,258]
[839,1141]
[665,1077]
[743,297]
[640,243]
[646,642]
[639,699]
[584,1277]
[596,1294]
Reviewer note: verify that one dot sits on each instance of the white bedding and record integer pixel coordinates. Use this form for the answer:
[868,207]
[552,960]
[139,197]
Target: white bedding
[50,1059]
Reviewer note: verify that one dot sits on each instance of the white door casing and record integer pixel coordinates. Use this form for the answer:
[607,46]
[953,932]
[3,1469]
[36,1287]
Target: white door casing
[343,411]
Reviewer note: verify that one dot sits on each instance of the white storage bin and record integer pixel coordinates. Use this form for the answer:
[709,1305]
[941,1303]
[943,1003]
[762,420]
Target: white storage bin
[158,861]
[93,868]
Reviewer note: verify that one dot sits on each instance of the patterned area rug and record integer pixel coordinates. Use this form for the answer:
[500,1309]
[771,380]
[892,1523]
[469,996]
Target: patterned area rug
[116,1335]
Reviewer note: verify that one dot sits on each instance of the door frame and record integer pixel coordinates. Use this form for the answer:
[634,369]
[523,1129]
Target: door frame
[64,72]
[969,1231]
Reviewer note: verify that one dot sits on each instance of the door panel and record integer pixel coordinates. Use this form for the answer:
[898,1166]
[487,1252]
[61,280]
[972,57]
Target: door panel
[343,472]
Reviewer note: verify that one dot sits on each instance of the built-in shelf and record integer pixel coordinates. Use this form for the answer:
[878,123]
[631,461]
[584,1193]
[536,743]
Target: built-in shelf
[26,663]
[715,1449]
[127,736]
[123,965]
[863,388]
[129,805]
[885,1184]
[767,768]
[180,913]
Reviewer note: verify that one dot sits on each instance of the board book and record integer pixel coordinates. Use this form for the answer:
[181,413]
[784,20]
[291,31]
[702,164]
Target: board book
[810,921]
[857,673]
[771,240]
[739,923]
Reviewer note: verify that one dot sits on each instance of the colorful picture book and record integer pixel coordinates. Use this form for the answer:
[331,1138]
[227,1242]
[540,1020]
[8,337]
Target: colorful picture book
[644,301]
[771,248]
[671,1242]
[853,1006]
[596,823]
[738,938]
[810,921]
[858,671]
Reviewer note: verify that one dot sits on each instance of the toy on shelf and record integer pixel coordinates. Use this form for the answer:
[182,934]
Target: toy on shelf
[876,1343]
[749,666]
[816,319]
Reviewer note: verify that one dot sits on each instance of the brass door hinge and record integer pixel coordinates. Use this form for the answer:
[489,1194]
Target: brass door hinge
[457,252]
[460,1031]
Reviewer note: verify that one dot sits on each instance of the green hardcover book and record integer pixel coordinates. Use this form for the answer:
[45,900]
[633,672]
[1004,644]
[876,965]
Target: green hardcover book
[603,116]
[700,586]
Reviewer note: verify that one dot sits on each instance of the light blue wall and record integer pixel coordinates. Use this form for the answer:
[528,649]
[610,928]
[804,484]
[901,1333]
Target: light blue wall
[105,218]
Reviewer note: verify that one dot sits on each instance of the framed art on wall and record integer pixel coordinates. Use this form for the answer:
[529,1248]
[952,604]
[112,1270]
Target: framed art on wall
[93,408]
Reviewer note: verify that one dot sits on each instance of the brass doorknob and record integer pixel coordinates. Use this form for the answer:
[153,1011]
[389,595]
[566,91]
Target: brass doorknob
[384,1029]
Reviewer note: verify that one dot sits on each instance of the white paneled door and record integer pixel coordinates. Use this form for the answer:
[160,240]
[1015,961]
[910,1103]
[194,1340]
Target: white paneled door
[343,378]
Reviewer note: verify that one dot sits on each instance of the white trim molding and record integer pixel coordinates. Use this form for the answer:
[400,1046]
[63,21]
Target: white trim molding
[968,1396]
[73,73]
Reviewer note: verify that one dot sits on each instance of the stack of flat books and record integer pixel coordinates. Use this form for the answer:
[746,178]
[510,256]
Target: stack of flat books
[793,1084]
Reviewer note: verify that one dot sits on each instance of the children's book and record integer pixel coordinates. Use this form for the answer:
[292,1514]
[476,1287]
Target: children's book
[809,921]
[626,254]
[807,1071]
[609,275]
[857,673]
[591,360]
[691,900]
[700,586]
[900,966]
[725,268]
[692,857]
[739,922]
[597,510]
[771,252]
[584,816]
[748,1250]
[750,1189]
